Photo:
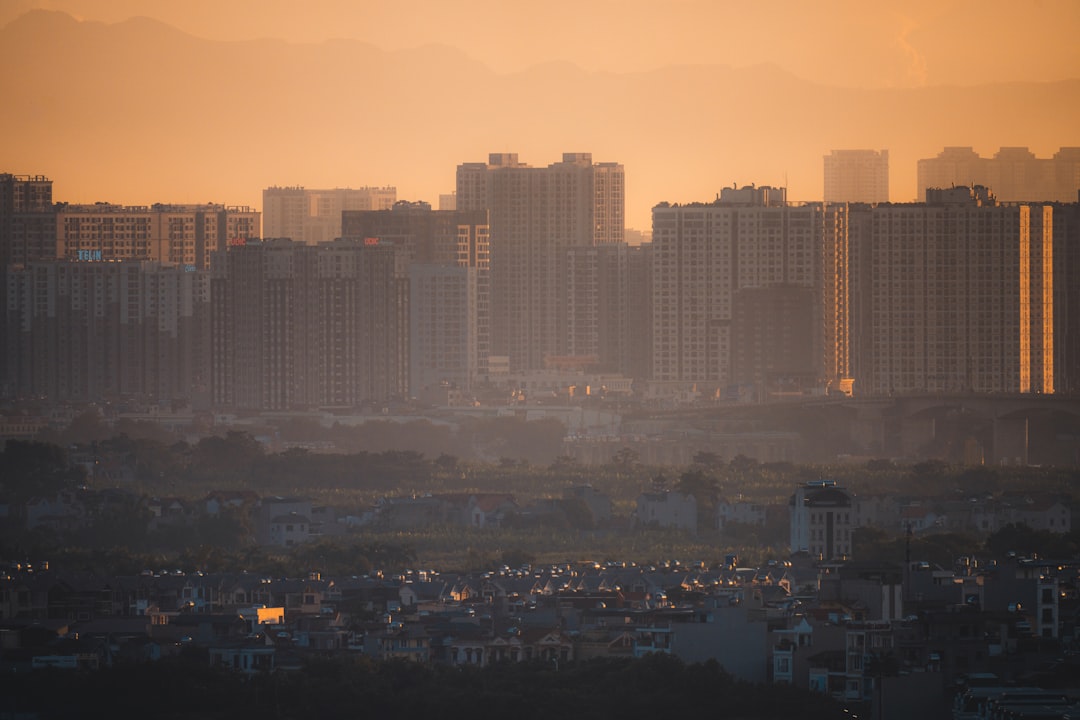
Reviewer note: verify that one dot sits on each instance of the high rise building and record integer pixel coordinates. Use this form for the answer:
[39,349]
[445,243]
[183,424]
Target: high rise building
[175,234]
[27,219]
[599,306]
[442,327]
[423,235]
[93,331]
[1014,174]
[1067,298]
[537,215]
[955,295]
[447,239]
[298,326]
[314,216]
[857,176]
[720,270]
[638,362]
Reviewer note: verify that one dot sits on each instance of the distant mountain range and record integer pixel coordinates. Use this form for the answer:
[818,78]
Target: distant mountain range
[139,112]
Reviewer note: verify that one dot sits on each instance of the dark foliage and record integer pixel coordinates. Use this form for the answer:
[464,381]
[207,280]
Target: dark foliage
[186,687]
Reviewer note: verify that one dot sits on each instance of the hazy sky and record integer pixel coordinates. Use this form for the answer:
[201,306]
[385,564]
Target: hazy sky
[841,42]
[912,47]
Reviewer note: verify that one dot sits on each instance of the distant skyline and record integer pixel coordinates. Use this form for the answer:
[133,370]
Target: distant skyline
[847,43]
[689,95]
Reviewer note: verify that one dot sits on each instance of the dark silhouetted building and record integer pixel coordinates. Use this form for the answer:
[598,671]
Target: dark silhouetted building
[87,331]
[300,326]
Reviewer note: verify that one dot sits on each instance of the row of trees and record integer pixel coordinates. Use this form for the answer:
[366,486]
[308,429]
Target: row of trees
[657,685]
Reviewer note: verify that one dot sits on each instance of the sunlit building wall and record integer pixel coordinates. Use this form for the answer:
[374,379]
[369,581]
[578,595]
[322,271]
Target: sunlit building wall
[960,295]
[313,216]
[599,305]
[857,176]
[536,215]
[175,234]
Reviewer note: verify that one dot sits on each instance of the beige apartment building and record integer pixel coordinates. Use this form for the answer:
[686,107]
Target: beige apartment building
[314,216]
[437,239]
[537,215]
[750,247]
[173,234]
[295,326]
[954,295]
[857,176]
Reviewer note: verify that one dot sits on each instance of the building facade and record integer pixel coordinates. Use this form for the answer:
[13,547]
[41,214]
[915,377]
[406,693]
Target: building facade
[297,326]
[176,234]
[1013,174]
[92,331]
[442,327]
[955,295]
[537,215]
[27,219]
[857,176]
[598,306]
[708,260]
[822,520]
[448,239]
[314,216]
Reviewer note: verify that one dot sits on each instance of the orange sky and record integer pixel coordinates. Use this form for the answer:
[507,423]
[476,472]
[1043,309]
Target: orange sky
[837,42]
[844,43]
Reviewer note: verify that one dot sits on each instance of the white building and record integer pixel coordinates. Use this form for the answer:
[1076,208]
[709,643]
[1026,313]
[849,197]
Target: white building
[822,520]
[668,510]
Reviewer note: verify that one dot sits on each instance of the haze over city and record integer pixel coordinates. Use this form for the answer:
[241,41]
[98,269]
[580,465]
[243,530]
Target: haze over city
[600,358]
[143,102]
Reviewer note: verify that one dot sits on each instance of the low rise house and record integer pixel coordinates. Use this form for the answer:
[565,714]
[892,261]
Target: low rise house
[667,509]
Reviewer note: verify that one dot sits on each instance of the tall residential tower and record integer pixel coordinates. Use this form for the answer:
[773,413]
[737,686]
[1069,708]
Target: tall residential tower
[857,176]
[537,216]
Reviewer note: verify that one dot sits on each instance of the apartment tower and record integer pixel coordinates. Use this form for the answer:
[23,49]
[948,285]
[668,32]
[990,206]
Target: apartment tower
[1013,174]
[298,326]
[955,295]
[537,216]
[445,254]
[174,234]
[750,272]
[314,216]
[857,176]
[90,331]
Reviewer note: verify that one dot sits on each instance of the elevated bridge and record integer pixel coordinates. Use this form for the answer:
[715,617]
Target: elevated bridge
[1021,429]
